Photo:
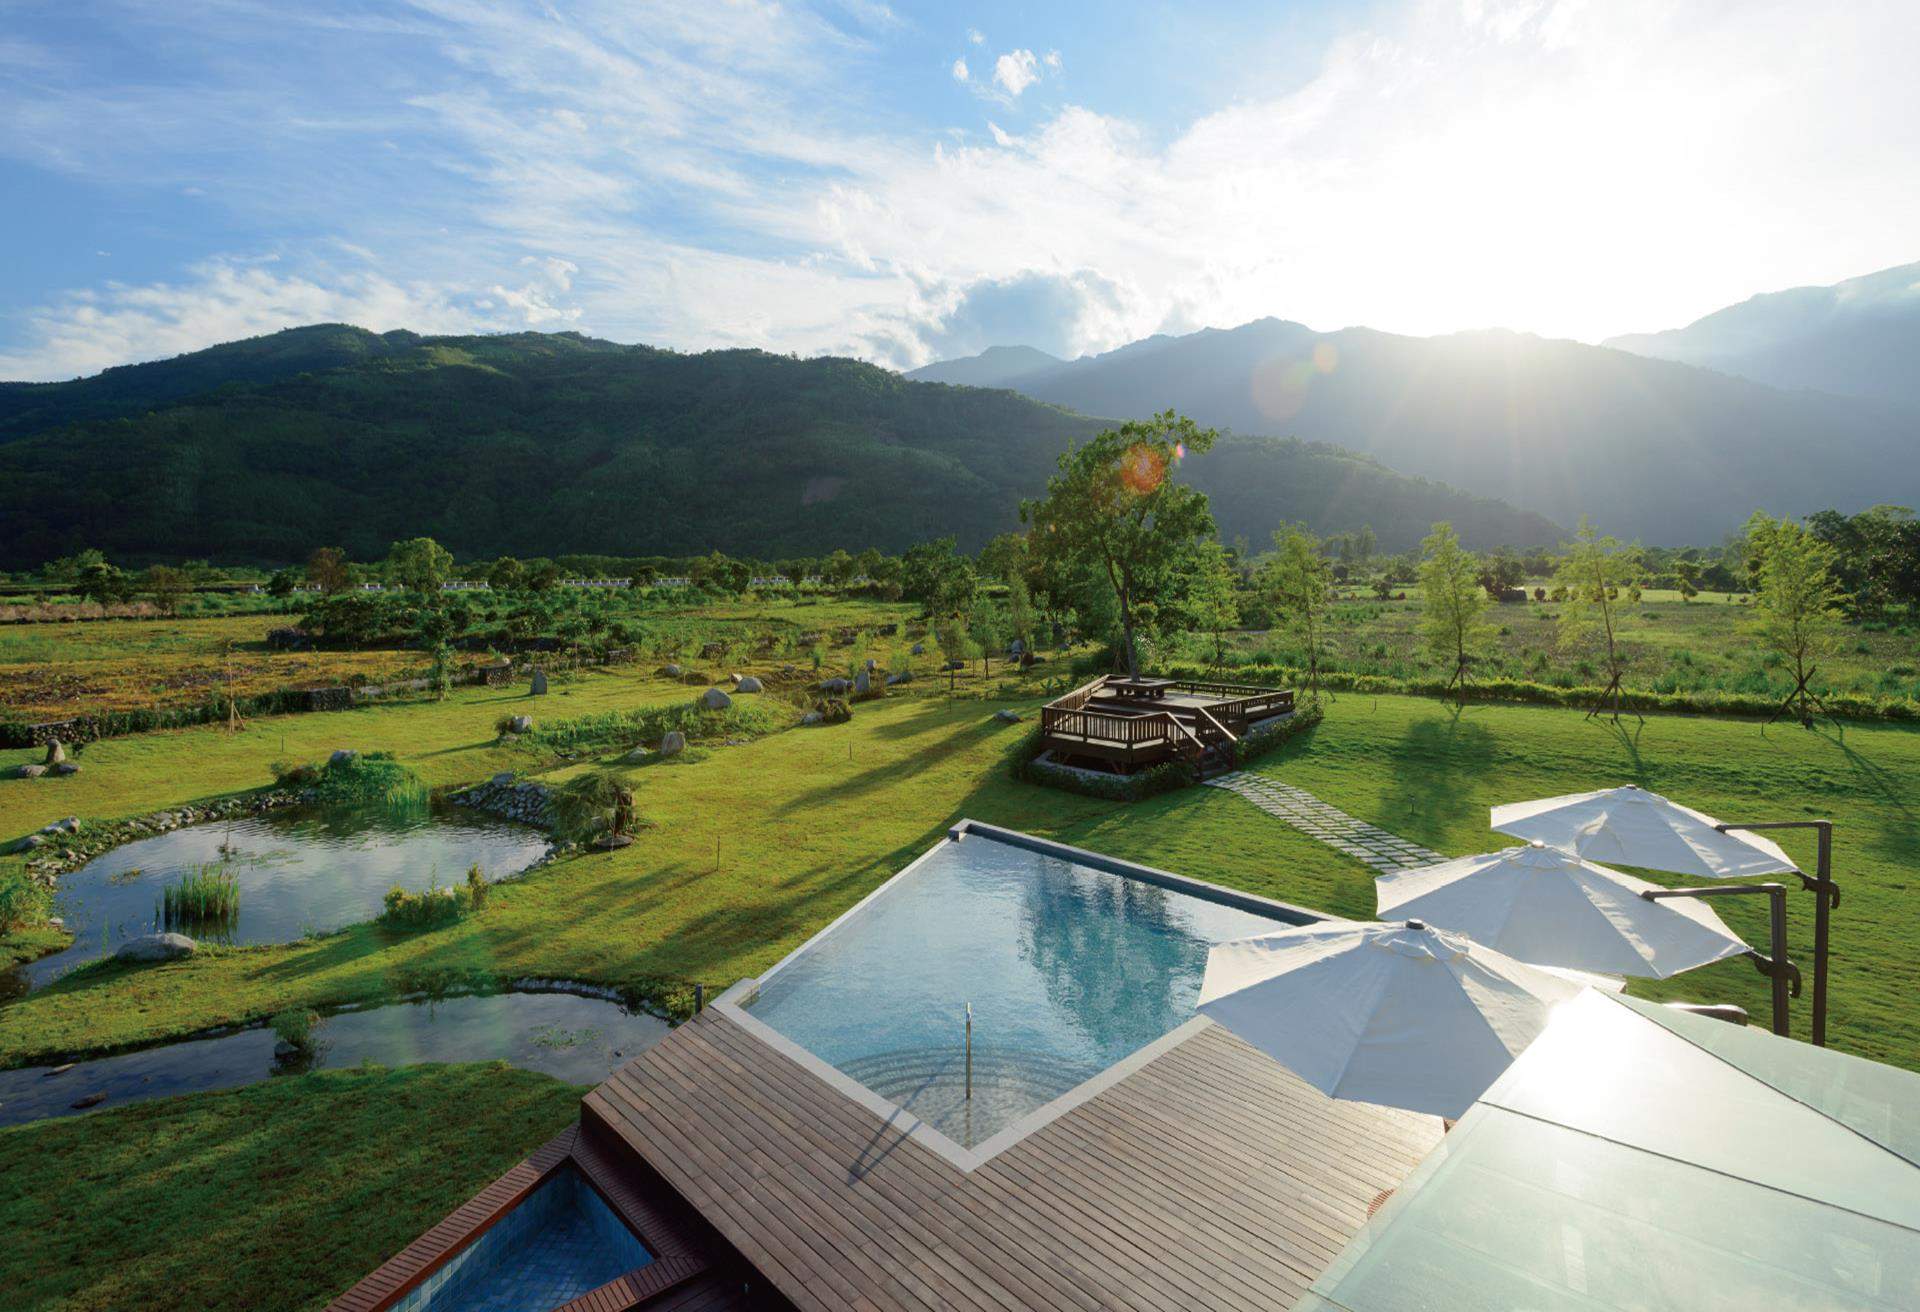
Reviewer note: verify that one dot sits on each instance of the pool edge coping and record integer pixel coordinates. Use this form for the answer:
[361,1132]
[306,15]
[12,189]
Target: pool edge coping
[731,1003]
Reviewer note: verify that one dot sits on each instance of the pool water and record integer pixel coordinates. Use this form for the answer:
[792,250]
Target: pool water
[558,1244]
[1068,969]
[299,872]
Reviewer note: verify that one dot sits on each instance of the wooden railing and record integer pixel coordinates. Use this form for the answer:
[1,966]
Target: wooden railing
[1187,731]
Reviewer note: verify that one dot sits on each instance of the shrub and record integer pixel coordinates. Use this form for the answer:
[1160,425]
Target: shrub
[833,710]
[374,779]
[288,774]
[24,904]
[430,908]
[295,1028]
[747,717]
[588,805]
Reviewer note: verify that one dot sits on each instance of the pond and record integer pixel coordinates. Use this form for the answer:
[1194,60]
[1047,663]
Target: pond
[295,871]
[580,1040]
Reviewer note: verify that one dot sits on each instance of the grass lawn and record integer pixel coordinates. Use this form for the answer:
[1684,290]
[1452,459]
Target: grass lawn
[758,845]
[275,1196]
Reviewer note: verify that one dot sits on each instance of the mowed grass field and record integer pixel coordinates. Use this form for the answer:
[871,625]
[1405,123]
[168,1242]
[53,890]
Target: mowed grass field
[758,845]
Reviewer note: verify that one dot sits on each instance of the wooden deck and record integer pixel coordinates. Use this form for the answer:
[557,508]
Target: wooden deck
[1210,1178]
[1193,721]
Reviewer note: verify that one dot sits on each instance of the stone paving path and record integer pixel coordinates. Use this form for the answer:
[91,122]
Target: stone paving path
[1332,826]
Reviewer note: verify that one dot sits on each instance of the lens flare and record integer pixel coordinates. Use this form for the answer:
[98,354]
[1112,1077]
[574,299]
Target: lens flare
[1326,357]
[1142,468]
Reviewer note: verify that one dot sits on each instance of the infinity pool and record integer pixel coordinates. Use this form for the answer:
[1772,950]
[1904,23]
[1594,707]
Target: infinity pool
[1069,968]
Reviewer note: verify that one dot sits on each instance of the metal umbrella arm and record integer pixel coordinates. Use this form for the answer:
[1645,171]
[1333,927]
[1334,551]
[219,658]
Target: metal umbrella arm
[1827,900]
[1775,965]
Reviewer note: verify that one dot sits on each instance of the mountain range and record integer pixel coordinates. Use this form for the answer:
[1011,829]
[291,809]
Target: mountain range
[539,444]
[1659,449]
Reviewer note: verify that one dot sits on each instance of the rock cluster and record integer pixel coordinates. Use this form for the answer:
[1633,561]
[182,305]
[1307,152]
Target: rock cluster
[529,803]
[66,845]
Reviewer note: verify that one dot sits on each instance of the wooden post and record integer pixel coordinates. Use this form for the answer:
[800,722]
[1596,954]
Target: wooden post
[969,1052]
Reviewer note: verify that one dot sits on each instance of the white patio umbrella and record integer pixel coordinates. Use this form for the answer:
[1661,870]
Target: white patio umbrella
[1633,827]
[1548,907]
[1401,1014]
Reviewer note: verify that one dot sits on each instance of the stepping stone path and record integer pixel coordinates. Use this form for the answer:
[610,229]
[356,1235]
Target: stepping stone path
[1332,826]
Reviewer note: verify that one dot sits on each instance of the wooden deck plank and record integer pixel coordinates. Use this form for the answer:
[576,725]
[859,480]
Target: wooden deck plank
[1208,1178]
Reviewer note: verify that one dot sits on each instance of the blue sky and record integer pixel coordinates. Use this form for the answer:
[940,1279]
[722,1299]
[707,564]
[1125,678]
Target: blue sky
[823,178]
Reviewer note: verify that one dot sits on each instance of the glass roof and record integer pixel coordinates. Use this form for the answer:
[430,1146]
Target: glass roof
[1626,1161]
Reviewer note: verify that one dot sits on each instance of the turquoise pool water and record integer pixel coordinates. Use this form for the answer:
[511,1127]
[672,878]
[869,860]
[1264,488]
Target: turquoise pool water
[561,1242]
[1068,969]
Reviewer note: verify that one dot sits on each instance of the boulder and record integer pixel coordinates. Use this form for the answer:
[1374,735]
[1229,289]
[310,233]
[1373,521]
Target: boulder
[93,1099]
[538,686]
[343,756]
[919,649]
[56,754]
[714,700]
[71,825]
[673,743]
[1007,716]
[789,668]
[637,756]
[955,665]
[520,724]
[671,671]
[156,947]
[31,771]
[872,664]
[862,683]
[835,687]
[67,767]
[748,683]
[30,842]
[812,717]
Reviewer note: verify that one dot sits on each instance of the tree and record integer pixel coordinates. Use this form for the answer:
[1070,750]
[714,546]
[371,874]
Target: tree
[1020,613]
[166,586]
[282,583]
[837,568]
[1595,570]
[1501,572]
[1298,584]
[102,582]
[1686,577]
[1116,505]
[987,628]
[1797,604]
[327,570]
[507,575]
[1451,602]
[420,564]
[939,578]
[1005,557]
[1210,604]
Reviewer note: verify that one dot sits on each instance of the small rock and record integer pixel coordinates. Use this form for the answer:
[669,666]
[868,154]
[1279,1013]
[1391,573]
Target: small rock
[93,1099]
[835,687]
[637,756]
[748,683]
[863,683]
[672,671]
[872,664]
[67,767]
[61,1069]
[520,724]
[55,753]
[343,756]
[504,777]
[789,669]
[538,688]
[903,676]
[156,947]
[919,649]
[956,665]
[812,717]
[608,842]
[733,678]
[1007,716]
[673,743]
[31,771]
[715,700]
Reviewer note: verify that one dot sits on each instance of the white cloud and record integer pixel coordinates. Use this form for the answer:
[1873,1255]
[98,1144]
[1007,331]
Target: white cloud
[960,70]
[1016,71]
[1052,60]
[976,36]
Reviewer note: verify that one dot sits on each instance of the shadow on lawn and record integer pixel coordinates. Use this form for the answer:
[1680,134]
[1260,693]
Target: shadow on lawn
[1431,772]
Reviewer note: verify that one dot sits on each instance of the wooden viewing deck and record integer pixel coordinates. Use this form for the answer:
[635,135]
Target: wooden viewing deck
[1209,1177]
[1112,723]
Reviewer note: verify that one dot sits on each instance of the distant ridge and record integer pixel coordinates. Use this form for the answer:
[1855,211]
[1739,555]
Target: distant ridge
[546,443]
[997,366]
[1666,452]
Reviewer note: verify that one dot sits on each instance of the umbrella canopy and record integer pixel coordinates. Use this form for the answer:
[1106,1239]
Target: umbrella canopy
[1400,1014]
[1548,907]
[1633,827]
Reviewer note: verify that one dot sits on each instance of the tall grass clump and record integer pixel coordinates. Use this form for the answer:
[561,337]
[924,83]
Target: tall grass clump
[437,904]
[375,779]
[206,898]
[24,904]
[748,717]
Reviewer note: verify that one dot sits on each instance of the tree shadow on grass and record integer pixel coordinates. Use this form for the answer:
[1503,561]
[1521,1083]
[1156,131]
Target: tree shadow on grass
[1431,774]
[1898,837]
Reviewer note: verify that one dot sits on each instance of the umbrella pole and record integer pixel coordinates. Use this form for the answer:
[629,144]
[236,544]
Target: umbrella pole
[1827,899]
[1777,968]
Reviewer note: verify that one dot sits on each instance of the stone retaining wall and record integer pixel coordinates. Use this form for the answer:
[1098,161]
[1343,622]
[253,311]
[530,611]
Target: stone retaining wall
[529,803]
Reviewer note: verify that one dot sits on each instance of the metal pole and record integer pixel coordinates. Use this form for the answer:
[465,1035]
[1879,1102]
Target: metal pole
[1826,899]
[970,1051]
[1777,967]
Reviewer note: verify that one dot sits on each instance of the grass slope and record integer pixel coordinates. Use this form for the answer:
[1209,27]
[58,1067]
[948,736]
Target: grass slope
[279,1195]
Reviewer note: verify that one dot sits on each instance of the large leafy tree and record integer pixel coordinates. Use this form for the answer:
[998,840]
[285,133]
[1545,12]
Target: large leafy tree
[1452,602]
[1298,582]
[327,569]
[938,577]
[1798,601]
[420,564]
[1115,504]
[1595,571]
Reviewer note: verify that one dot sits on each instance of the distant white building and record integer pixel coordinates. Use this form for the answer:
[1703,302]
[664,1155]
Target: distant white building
[671,583]
[596,583]
[466,585]
[770,581]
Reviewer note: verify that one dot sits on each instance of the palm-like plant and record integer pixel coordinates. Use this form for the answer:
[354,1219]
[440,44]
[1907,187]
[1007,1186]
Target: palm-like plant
[595,805]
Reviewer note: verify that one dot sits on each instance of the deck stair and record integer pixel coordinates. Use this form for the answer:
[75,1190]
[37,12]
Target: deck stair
[1195,721]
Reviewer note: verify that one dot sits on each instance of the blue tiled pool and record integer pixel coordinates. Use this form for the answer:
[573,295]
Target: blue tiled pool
[1068,968]
[555,1246]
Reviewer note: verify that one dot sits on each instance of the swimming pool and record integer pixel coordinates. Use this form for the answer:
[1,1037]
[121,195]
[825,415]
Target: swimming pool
[557,1244]
[1070,962]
